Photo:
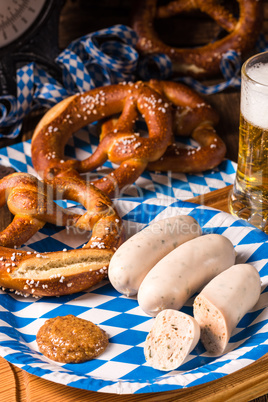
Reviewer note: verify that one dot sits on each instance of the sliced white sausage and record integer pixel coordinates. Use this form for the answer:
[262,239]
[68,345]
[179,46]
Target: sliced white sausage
[182,272]
[172,337]
[136,256]
[223,302]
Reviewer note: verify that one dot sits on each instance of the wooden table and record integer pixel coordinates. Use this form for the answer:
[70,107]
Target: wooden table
[78,18]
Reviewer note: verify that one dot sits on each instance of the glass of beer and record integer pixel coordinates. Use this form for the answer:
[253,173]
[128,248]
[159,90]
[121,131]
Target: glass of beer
[249,198]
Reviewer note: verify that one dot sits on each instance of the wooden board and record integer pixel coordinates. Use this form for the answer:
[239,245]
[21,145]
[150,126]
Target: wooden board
[243,385]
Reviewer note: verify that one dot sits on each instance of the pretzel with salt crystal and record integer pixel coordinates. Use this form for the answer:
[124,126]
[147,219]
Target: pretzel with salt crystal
[192,116]
[200,61]
[60,272]
[123,147]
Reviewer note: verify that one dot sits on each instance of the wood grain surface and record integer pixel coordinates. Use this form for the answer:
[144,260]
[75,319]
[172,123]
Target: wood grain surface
[80,17]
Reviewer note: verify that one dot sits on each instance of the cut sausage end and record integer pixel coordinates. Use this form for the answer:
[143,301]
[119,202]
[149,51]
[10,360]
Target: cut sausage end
[173,336]
[223,302]
[214,333]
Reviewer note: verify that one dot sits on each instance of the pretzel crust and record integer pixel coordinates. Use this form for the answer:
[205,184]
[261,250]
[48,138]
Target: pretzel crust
[60,272]
[123,147]
[192,116]
[203,61]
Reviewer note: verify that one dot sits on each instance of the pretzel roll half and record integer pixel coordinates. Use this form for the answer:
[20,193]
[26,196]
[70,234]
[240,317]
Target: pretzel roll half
[59,272]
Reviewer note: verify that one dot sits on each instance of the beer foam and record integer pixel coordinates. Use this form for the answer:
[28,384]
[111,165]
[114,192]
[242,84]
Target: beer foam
[259,73]
[254,95]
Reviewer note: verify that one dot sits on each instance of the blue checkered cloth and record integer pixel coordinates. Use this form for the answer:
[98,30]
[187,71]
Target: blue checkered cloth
[104,57]
[100,58]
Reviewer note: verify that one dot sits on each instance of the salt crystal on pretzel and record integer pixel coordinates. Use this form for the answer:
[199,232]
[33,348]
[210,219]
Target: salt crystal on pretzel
[192,116]
[123,147]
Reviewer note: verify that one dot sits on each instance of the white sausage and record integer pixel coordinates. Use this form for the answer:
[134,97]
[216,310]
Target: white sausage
[182,272]
[172,337]
[136,256]
[223,302]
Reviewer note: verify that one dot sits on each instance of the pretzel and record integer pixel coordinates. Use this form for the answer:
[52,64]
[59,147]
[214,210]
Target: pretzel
[123,146]
[202,61]
[191,116]
[60,272]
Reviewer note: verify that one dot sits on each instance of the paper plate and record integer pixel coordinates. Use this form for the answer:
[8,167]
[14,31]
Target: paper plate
[122,367]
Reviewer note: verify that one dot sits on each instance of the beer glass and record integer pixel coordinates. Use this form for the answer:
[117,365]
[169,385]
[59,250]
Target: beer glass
[249,198]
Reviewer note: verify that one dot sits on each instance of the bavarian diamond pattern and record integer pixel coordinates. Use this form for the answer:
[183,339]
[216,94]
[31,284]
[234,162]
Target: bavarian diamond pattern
[165,188]
[78,72]
[122,368]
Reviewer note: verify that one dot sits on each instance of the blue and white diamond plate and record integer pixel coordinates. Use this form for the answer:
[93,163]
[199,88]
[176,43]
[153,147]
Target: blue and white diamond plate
[122,368]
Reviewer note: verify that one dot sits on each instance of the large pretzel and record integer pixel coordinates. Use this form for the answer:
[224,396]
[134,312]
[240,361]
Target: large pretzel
[60,272]
[123,146]
[191,116]
[203,61]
